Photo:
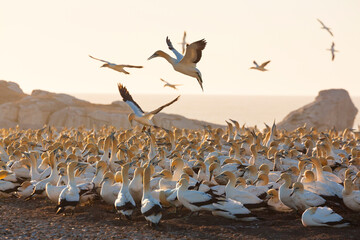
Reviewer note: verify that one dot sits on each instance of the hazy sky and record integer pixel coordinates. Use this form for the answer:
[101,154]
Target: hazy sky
[45,45]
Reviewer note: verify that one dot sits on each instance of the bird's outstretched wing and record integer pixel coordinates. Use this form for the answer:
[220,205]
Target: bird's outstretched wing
[321,23]
[194,52]
[101,60]
[178,55]
[164,81]
[129,100]
[184,37]
[257,65]
[132,66]
[264,64]
[163,106]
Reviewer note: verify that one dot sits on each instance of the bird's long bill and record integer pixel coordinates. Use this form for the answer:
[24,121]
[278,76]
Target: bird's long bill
[293,191]
[153,56]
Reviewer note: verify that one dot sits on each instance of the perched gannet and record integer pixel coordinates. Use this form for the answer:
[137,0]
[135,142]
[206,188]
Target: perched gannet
[351,197]
[285,191]
[124,202]
[109,189]
[138,114]
[184,43]
[233,209]
[69,196]
[322,217]
[332,50]
[150,207]
[195,200]
[275,203]
[6,187]
[167,84]
[135,185]
[185,64]
[261,67]
[304,199]
[325,27]
[116,67]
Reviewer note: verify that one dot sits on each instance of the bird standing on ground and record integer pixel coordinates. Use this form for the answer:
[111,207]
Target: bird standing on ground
[138,114]
[332,50]
[185,64]
[261,67]
[325,27]
[116,67]
[167,84]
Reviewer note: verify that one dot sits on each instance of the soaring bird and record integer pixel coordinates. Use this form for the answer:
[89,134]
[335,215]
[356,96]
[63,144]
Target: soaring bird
[167,84]
[332,50]
[138,114]
[325,27]
[116,67]
[184,43]
[185,64]
[261,67]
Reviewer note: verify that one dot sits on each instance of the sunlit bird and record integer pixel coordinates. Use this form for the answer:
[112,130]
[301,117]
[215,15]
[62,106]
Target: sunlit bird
[116,67]
[261,67]
[332,50]
[325,27]
[184,43]
[167,84]
[185,64]
[138,114]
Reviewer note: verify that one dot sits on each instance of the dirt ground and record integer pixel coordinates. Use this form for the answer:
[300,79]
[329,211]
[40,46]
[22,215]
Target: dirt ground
[36,219]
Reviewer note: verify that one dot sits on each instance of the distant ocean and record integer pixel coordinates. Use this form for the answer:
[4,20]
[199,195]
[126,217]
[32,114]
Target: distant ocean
[252,110]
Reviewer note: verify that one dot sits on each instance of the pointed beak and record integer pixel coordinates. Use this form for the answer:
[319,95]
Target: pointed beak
[153,56]
[293,191]
[278,180]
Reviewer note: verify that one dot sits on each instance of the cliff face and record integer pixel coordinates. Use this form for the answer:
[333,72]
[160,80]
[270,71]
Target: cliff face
[62,110]
[331,108]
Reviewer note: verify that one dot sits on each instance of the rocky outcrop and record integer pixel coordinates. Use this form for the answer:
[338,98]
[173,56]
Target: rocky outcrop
[62,110]
[331,108]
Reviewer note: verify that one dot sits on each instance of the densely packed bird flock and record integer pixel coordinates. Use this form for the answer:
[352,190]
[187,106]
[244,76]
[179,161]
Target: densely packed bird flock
[233,172]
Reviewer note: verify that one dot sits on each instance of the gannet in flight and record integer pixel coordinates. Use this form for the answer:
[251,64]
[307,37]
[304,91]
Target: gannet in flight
[261,67]
[325,27]
[332,50]
[185,64]
[116,67]
[167,84]
[184,43]
[138,114]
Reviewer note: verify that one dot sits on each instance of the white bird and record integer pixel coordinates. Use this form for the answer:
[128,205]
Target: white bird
[332,50]
[124,202]
[150,207]
[325,27]
[183,43]
[351,197]
[233,209]
[109,189]
[138,114]
[116,67]
[260,67]
[185,64]
[322,217]
[304,199]
[167,84]
[275,203]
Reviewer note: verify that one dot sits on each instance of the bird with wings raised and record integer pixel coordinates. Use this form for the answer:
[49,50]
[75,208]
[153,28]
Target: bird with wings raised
[167,84]
[138,114]
[260,67]
[183,43]
[116,67]
[332,50]
[325,27]
[185,64]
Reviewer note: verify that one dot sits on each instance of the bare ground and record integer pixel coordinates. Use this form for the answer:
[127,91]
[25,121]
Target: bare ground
[36,219]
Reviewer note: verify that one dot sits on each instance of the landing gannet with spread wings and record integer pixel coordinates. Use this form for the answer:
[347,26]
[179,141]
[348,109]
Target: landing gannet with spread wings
[116,67]
[167,84]
[185,64]
[261,67]
[138,114]
[325,27]
[184,43]
[332,50]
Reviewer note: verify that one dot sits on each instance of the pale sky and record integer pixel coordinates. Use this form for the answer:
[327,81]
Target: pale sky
[45,45]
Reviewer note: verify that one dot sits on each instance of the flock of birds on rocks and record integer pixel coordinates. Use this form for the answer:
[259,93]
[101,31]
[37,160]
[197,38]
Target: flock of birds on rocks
[232,172]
